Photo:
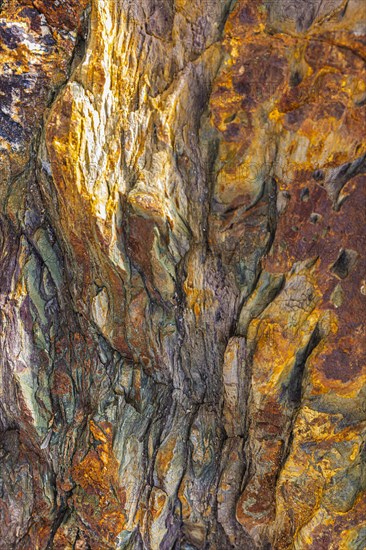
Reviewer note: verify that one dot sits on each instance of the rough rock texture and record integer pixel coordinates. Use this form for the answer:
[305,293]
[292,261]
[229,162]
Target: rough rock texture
[182,274]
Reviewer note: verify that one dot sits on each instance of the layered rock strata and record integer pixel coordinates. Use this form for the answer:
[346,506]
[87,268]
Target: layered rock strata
[182,263]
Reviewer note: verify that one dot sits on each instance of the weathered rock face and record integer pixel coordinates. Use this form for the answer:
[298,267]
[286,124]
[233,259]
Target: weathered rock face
[182,273]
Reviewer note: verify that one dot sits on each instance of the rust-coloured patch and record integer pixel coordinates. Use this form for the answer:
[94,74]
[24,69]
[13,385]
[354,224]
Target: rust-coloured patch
[99,498]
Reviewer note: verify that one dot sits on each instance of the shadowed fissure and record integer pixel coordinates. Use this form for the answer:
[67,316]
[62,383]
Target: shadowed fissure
[181,260]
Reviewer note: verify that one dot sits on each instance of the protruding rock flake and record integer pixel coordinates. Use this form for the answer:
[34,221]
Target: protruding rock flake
[182,274]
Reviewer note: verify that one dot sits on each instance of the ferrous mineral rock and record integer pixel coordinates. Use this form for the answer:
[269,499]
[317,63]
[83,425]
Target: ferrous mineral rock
[182,274]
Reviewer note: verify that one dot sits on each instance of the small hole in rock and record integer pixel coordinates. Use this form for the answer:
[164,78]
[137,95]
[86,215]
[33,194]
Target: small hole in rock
[314,218]
[304,195]
[318,175]
[344,263]
[295,79]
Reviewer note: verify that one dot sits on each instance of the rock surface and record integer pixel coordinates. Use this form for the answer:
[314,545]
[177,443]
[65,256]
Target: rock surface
[182,269]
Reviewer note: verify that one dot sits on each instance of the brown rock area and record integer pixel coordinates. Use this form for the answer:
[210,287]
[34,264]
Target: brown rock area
[182,275]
